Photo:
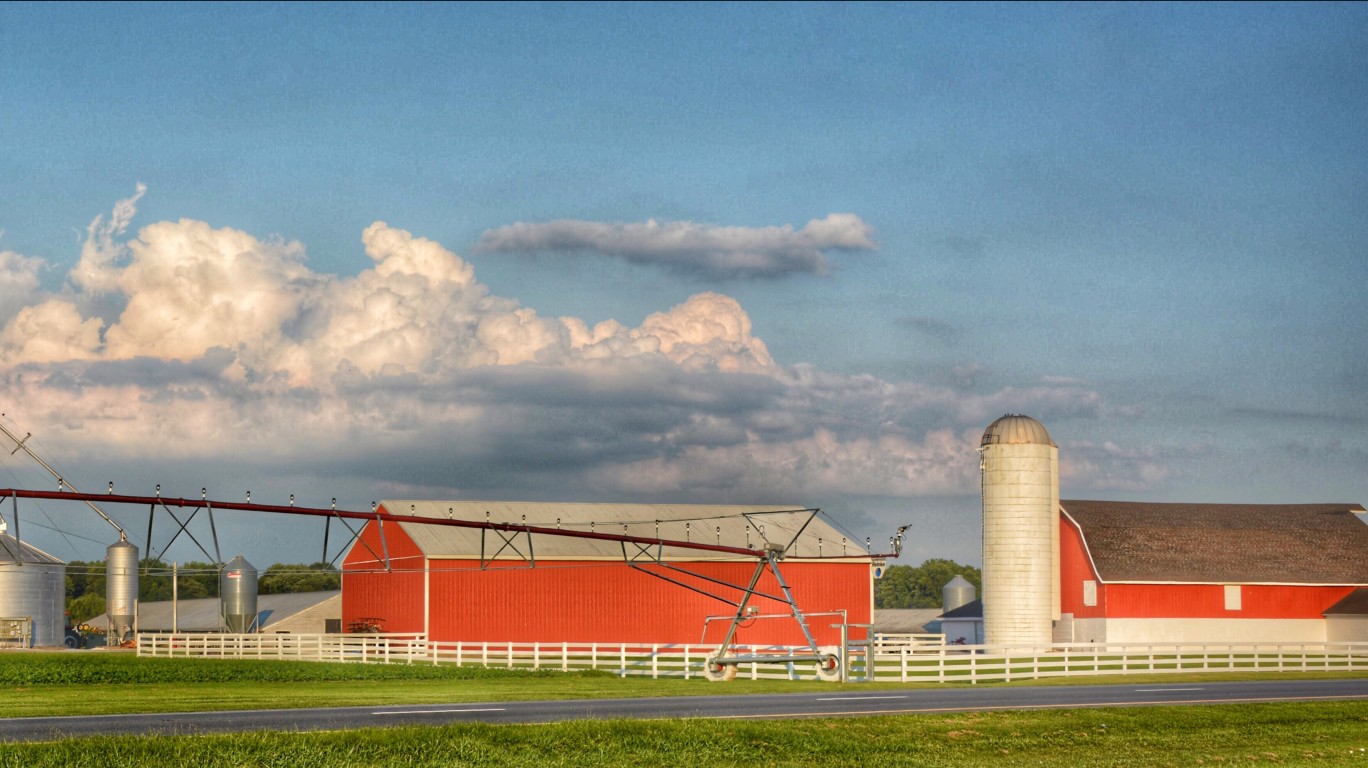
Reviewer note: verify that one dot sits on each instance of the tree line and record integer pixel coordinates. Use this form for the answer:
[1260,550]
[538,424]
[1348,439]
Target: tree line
[85,582]
[919,586]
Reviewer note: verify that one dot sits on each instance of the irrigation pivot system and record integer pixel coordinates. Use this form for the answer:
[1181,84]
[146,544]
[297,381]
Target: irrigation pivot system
[637,552]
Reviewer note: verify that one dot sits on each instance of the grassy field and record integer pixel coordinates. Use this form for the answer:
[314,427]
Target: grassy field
[1324,734]
[1329,733]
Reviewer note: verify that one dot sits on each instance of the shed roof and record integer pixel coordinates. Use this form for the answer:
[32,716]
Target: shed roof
[1354,604]
[203,614]
[725,524]
[970,610]
[1224,543]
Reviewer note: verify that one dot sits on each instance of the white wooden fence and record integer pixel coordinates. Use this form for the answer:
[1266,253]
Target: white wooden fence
[879,660]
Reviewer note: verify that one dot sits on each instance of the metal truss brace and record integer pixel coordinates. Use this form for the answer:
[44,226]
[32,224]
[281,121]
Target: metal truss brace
[644,555]
[509,542]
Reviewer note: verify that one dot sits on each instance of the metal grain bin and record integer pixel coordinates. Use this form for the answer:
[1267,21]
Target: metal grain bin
[238,591]
[121,589]
[957,592]
[32,595]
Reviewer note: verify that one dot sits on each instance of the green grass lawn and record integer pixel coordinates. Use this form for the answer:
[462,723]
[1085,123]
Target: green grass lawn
[1321,734]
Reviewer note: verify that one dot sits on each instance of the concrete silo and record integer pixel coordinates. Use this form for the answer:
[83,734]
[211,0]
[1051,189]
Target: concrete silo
[1020,532]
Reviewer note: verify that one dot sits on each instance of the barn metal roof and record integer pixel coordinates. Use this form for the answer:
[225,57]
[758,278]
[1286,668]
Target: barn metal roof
[728,525]
[1224,543]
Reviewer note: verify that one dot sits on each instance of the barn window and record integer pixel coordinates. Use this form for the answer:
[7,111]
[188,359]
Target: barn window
[1090,593]
[1232,597]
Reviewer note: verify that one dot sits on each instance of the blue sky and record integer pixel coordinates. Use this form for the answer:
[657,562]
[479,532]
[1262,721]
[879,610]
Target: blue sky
[365,252]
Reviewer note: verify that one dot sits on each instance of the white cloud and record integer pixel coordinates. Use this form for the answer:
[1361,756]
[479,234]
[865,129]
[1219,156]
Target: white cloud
[221,347]
[96,271]
[689,247]
[19,278]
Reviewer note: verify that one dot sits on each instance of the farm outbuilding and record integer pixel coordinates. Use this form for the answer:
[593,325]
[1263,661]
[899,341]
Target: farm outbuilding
[1347,620]
[475,584]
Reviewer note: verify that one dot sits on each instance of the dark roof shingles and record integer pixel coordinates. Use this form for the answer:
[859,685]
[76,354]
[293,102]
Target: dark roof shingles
[1228,543]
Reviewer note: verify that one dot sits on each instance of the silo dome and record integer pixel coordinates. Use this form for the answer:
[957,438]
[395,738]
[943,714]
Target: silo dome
[1015,429]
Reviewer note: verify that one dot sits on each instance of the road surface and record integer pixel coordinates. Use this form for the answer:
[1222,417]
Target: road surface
[843,703]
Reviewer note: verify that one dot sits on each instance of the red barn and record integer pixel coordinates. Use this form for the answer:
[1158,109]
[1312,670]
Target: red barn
[478,585]
[1156,573]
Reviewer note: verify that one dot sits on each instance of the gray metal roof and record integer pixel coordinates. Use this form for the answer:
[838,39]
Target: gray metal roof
[728,525]
[14,551]
[203,614]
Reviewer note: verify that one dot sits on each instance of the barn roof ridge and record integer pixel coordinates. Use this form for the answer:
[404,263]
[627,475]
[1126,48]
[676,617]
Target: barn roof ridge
[726,525]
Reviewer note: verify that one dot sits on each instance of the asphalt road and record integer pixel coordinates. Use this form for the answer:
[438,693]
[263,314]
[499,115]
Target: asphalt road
[836,704]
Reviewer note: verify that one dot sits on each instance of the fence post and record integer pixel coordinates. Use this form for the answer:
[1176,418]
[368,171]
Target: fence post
[565,657]
[623,657]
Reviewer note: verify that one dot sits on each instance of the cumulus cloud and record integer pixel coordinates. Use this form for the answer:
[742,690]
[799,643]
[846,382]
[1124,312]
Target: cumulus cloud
[215,345]
[19,278]
[97,270]
[685,246]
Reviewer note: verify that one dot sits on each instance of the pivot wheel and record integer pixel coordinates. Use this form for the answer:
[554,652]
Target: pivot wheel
[829,665]
[718,672]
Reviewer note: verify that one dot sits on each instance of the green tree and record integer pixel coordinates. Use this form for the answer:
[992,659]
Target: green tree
[906,586]
[86,607]
[283,577]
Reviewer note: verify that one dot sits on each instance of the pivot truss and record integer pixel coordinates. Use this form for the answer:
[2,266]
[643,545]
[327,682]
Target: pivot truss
[514,541]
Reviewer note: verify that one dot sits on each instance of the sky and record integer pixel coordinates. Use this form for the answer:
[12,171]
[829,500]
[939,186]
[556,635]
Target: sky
[790,254]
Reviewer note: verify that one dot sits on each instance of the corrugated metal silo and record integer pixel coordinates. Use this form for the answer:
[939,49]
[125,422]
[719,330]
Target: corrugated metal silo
[121,589]
[1020,532]
[32,593]
[238,593]
[957,592]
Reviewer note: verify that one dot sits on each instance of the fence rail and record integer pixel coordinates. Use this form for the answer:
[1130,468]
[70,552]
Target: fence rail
[880,660]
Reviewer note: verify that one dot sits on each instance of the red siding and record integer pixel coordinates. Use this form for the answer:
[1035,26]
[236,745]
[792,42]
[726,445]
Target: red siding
[368,591]
[1074,569]
[1207,601]
[610,602]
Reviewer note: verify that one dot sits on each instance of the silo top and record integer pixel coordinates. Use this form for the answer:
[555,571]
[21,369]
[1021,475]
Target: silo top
[15,552]
[1015,429]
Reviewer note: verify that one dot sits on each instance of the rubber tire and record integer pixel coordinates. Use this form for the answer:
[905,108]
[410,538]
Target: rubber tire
[829,668]
[717,672]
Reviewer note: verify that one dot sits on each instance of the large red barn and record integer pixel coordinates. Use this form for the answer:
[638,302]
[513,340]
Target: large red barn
[1155,573]
[484,585]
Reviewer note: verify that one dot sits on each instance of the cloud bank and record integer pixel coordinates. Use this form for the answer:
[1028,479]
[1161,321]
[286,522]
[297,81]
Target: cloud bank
[194,343]
[683,246]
